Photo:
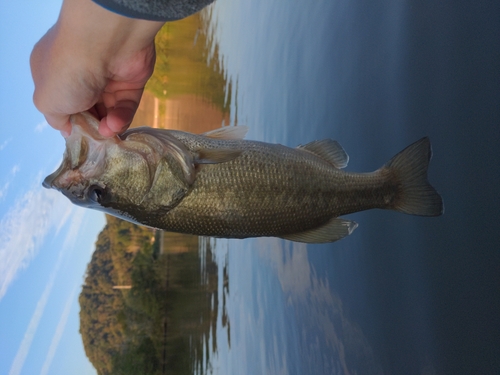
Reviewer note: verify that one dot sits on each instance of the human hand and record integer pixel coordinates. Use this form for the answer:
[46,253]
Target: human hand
[92,59]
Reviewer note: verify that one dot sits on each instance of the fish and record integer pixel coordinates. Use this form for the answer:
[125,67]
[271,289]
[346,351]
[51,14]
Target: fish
[218,184]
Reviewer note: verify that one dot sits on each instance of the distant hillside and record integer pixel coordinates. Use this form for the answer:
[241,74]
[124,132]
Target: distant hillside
[111,264]
[163,322]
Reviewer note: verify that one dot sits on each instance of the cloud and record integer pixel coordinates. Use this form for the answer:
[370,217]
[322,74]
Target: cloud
[5,143]
[64,216]
[15,169]
[75,225]
[40,127]
[323,318]
[3,190]
[29,335]
[23,229]
[24,348]
[58,334]
[10,178]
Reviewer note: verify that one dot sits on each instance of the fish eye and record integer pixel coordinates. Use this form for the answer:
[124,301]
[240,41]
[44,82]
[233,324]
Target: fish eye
[96,193]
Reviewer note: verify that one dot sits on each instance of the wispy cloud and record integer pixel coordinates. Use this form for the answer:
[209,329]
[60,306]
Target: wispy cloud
[58,334]
[23,229]
[40,127]
[29,335]
[15,169]
[24,348]
[5,143]
[4,189]
[10,178]
[76,224]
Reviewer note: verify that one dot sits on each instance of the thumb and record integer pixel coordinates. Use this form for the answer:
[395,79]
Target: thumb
[118,118]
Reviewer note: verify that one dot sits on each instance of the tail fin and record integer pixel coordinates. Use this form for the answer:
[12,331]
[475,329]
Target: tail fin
[417,196]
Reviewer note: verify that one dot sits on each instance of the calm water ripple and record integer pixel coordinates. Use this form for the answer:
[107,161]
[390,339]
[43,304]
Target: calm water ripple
[402,294]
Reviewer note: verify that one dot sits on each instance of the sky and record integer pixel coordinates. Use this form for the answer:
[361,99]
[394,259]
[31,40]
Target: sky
[45,242]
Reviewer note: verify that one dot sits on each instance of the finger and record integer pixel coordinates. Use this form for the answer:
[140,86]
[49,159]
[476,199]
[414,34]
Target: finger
[59,122]
[99,110]
[104,130]
[120,118]
[120,112]
[94,112]
[117,120]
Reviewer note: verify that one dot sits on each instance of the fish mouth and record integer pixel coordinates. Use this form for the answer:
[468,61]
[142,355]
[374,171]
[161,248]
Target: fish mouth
[76,193]
[47,183]
[73,191]
[50,182]
[71,187]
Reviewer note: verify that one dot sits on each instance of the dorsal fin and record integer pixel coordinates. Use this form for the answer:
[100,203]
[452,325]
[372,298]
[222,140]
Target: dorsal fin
[328,150]
[228,132]
[333,230]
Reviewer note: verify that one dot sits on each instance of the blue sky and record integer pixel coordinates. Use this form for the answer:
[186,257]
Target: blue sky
[45,242]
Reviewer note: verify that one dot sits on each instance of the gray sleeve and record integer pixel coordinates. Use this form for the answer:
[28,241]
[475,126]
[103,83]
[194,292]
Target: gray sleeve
[154,10]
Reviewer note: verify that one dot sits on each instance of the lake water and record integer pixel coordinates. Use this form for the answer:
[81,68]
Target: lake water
[402,294]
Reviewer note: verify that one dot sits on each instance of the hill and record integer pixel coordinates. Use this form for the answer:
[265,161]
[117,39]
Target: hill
[165,311]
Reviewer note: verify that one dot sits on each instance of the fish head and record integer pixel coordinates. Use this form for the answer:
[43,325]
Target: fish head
[118,175]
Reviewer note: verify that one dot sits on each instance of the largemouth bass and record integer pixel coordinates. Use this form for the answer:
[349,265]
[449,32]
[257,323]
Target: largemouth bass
[217,184]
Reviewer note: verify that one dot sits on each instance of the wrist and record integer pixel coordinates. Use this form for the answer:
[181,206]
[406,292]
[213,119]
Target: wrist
[88,31]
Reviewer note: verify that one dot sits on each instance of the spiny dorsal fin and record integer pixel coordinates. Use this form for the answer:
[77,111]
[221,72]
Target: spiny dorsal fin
[228,132]
[328,150]
[333,230]
[214,156]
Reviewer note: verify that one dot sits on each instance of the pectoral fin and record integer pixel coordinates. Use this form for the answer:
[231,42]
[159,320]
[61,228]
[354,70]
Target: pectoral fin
[332,231]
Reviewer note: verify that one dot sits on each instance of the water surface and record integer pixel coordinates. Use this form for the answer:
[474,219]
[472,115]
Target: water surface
[402,294]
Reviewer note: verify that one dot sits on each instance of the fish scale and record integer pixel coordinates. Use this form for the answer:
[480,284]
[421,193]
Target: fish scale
[267,197]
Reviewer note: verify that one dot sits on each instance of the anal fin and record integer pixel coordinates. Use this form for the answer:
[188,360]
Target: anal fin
[329,150]
[333,230]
